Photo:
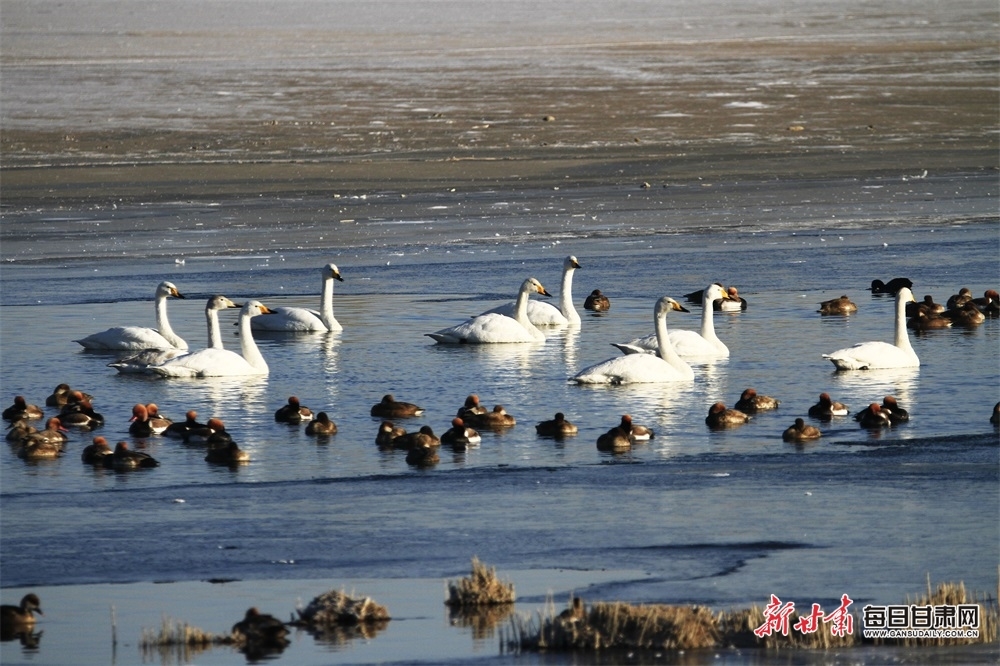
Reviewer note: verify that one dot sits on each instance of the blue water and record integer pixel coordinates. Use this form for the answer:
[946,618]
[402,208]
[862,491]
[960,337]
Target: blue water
[695,516]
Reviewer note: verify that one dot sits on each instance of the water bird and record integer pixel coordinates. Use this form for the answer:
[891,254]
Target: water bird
[94,454]
[424,437]
[891,287]
[874,417]
[125,458]
[750,402]
[260,631]
[387,434]
[212,433]
[922,320]
[496,419]
[546,314]
[460,436]
[615,440]
[181,429]
[636,432]
[720,417]
[59,396]
[963,296]
[304,319]
[688,344]
[227,454]
[493,328]
[827,408]
[22,410]
[966,315]
[734,302]
[927,305]
[643,368]
[989,304]
[838,306]
[877,355]
[157,422]
[15,619]
[422,454]
[138,338]
[995,417]
[139,425]
[214,362]
[557,427]
[471,407]
[55,432]
[890,407]
[801,432]
[321,425]
[18,430]
[597,302]
[81,415]
[292,412]
[391,408]
[39,449]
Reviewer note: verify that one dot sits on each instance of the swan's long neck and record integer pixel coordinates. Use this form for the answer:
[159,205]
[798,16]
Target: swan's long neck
[708,319]
[566,297]
[326,307]
[902,337]
[214,333]
[163,324]
[667,352]
[521,312]
[248,346]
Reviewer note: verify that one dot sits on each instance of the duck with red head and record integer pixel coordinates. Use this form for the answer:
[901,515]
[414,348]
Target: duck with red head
[94,454]
[125,458]
[720,417]
[733,303]
[212,433]
[81,415]
[636,432]
[157,422]
[750,402]
[181,429]
[493,420]
[471,407]
[54,433]
[293,412]
[139,423]
[827,408]
[875,417]
[460,436]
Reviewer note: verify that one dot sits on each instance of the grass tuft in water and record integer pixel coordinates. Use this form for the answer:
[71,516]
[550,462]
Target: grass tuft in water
[481,588]
[178,640]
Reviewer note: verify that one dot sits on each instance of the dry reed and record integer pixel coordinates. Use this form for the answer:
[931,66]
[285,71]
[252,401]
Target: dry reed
[481,588]
[179,640]
[337,609]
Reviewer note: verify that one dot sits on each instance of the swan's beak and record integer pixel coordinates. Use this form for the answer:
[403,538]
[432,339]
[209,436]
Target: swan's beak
[176,294]
[541,290]
[235,305]
[336,276]
[678,307]
[265,310]
[575,264]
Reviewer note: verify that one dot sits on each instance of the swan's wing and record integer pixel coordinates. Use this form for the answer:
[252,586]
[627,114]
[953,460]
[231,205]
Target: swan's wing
[139,363]
[487,328]
[632,348]
[875,355]
[125,338]
[209,362]
[631,369]
[539,313]
[289,319]
[691,344]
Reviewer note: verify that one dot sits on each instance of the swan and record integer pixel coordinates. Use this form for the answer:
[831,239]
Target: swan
[546,314]
[878,355]
[214,362]
[491,327]
[139,363]
[303,319]
[688,344]
[138,337]
[639,368]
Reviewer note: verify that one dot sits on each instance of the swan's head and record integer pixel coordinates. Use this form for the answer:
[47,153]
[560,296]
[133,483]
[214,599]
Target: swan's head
[666,304]
[533,285]
[254,308]
[570,262]
[331,271]
[714,292]
[220,302]
[165,289]
[904,295]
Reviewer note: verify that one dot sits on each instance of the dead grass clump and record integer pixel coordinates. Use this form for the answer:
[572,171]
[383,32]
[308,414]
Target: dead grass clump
[335,608]
[481,588]
[179,640]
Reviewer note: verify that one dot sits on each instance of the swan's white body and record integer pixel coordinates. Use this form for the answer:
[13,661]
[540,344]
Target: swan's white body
[138,338]
[139,363]
[643,368]
[217,362]
[303,319]
[546,314]
[878,355]
[490,328]
[689,344]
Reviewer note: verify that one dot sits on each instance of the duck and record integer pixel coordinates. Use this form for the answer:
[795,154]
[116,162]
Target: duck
[422,454]
[927,305]
[387,434]
[39,449]
[94,454]
[838,306]
[891,287]
[557,427]
[995,417]
[597,302]
[965,316]
[137,338]
[989,304]
[638,433]
[546,314]
[54,432]
[139,423]
[874,417]
[321,425]
[493,328]
[18,430]
[20,618]
[212,433]
[494,420]
[22,410]
[460,436]
[140,363]
[800,432]
[471,407]
[157,422]
[695,297]
[81,415]
[890,407]
[181,429]
[963,296]
[720,417]
[301,320]
[59,396]
[227,454]
[292,412]
[750,402]
[213,362]
[643,368]
[734,302]
[423,437]
[391,408]
[125,458]
[260,629]
[827,408]
[688,344]
[614,440]
[878,355]
[922,320]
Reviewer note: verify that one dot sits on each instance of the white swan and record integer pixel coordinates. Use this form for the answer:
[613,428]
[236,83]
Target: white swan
[138,337]
[491,327]
[139,363]
[689,344]
[878,355]
[643,368]
[214,362]
[304,319]
[546,314]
